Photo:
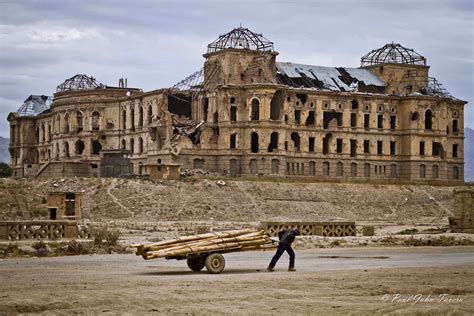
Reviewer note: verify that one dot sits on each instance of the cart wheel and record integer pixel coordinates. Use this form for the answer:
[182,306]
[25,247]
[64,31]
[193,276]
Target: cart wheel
[196,263]
[215,263]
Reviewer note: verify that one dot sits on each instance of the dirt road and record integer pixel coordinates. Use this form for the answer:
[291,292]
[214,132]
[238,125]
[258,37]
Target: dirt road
[327,281]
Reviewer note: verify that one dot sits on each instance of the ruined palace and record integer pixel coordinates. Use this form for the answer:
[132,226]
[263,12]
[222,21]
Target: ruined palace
[245,113]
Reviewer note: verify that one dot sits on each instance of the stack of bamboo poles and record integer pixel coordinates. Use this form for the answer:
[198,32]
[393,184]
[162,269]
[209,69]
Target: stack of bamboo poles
[235,240]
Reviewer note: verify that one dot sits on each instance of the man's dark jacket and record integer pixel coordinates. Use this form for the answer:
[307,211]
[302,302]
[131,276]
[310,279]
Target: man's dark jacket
[287,236]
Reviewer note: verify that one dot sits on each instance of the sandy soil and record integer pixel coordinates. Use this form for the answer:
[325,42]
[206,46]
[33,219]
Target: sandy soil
[330,281]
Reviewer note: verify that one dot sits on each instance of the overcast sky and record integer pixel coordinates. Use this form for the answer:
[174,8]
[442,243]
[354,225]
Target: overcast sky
[157,43]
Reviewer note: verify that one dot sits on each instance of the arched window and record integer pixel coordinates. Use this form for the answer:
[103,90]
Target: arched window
[79,121]
[49,132]
[140,145]
[353,169]
[140,116]
[43,133]
[124,144]
[79,147]
[66,149]
[434,172]
[339,169]
[354,104]
[124,119]
[95,121]
[255,115]
[326,168]
[254,142]
[132,119]
[422,171]
[428,120]
[455,173]
[38,134]
[96,147]
[57,151]
[132,145]
[273,142]
[66,123]
[150,114]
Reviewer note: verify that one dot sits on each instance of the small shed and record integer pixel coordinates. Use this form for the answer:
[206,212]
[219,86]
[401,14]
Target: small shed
[65,205]
[170,171]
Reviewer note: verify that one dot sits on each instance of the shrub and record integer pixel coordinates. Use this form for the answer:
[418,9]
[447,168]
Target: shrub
[76,248]
[107,236]
[41,248]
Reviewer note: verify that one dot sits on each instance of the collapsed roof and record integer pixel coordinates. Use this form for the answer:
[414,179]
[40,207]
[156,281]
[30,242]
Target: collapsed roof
[328,78]
[34,105]
[79,82]
[392,53]
[241,38]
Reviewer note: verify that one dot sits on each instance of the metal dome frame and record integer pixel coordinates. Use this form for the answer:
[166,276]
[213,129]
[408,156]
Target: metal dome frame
[392,53]
[79,82]
[241,38]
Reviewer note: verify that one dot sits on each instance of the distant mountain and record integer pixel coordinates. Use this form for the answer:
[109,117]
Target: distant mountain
[468,154]
[4,154]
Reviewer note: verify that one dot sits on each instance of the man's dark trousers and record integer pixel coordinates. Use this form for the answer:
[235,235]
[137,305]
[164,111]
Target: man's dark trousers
[280,250]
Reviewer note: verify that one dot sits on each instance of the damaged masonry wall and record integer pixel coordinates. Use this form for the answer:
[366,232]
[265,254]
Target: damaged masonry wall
[247,114]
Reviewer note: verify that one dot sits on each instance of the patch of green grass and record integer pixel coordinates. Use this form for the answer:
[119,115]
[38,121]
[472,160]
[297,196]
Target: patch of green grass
[411,231]
[39,211]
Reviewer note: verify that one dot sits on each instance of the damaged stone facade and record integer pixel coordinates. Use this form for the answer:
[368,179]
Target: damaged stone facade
[247,114]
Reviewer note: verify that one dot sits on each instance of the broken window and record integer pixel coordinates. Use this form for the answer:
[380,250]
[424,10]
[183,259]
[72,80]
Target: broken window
[325,168]
[311,141]
[455,150]
[297,116]
[367,170]
[255,115]
[437,149]
[132,119]
[95,121]
[198,163]
[353,147]
[295,137]
[96,147]
[150,114]
[379,147]
[366,121]
[276,105]
[132,145]
[455,126]
[302,97]
[353,169]
[415,116]
[339,169]
[393,122]
[353,120]
[66,124]
[332,119]
[455,173]
[354,104]
[380,121]
[339,145]
[422,171]
[393,146]
[434,172]
[366,146]
[233,113]
[79,147]
[140,116]
[66,149]
[326,141]
[422,148]
[310,120]
[273,142]
[180,104]
[79,121]
[70,200]
[124,119]
[205,109]
[233,141]
[312,168]
[254,142]
[428,119]
[140,145]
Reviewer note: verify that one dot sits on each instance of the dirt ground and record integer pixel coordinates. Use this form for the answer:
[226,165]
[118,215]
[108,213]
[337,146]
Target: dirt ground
[421,281]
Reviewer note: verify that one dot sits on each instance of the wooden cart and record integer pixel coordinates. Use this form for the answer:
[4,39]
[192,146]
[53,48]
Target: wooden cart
[206,250]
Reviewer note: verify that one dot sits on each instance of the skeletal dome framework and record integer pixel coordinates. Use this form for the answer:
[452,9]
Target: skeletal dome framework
[79,82]
[241,38]
[392,53]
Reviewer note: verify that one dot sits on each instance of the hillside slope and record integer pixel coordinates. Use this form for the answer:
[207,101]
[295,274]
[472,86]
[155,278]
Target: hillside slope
[139,200]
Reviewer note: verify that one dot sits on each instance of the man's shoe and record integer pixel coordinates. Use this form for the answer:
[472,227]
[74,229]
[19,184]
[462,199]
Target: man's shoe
[269,269]
[292,269]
